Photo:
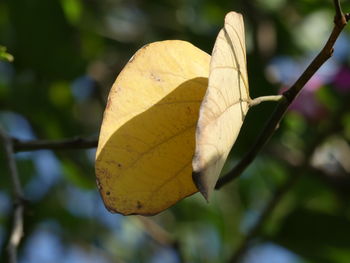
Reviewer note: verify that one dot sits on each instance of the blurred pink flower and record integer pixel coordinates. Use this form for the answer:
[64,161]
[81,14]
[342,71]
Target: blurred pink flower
[341,80]
[314,83]
[306,103]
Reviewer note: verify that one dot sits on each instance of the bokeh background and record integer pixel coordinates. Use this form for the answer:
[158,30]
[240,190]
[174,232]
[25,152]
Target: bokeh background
[67,54]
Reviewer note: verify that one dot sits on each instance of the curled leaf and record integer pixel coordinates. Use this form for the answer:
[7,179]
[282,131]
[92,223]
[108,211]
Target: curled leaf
[224,106]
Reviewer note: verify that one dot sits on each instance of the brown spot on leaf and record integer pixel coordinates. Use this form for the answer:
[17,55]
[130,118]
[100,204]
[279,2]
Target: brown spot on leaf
[108,193]
[139,205]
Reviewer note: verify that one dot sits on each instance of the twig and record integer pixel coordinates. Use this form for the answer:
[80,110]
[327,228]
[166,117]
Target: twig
[338,11]
[340,21]
[71,143]
[17,228]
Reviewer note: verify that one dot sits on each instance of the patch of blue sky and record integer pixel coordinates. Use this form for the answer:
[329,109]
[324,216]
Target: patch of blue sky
[286,69]
[48,173]
[270,253]
[80,202]
[43,246]
[163,255]
[104,216]
[341,48]
[16,125]
[76,254]
[5,203]
[91,153]
[82,87]
[88,204]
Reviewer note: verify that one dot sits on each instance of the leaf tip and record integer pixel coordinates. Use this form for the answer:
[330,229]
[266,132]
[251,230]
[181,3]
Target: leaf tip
[197,179]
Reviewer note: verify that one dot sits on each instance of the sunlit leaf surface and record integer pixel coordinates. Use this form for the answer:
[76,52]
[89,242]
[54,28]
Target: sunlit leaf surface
[143,161]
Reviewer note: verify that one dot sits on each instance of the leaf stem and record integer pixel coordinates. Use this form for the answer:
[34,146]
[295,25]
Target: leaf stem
[258,100]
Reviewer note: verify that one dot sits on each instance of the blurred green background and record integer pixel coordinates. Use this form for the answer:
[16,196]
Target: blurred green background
[67,54]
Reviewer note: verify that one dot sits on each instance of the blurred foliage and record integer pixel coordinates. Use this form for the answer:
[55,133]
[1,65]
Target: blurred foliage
[4,55]
[67,55]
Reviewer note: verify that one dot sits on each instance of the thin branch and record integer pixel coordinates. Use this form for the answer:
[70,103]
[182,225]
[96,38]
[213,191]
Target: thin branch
[338,11]
[63,144]
[264,136]
[288,98]
[17,228]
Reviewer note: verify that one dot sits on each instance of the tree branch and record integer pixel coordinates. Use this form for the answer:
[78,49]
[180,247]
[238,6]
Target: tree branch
[340,21]
[333,126]
[71,143]
[17,228]
[338,11]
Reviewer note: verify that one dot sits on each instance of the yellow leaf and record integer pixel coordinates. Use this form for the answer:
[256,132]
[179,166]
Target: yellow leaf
[147,138]
[224,106]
